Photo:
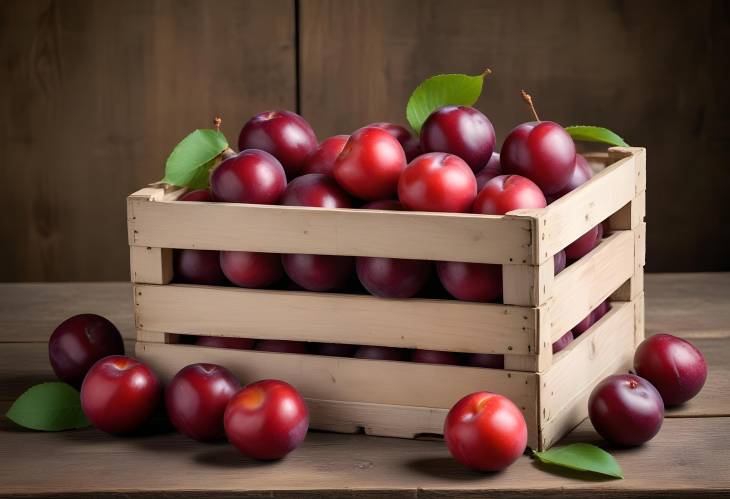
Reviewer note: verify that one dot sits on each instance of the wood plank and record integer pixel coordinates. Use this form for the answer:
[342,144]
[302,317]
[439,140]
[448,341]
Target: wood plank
[355,466]
[529,285]
[606,348]
[343,379]
[299,315]
[690,305]
[31,311]
[294,229]
[582,286]
[150,265]
[96,95]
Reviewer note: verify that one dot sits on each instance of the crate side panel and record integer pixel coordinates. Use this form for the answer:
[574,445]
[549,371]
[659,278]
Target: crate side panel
[356,319]
[289,229]
[605,348]
[574,214]
[351,380]
[582,286]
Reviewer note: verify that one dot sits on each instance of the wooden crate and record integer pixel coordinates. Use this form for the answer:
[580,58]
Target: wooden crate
[400,398]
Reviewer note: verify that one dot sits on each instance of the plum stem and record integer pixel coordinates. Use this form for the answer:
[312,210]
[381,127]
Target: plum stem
[217,123]
[486,72]
[528,98]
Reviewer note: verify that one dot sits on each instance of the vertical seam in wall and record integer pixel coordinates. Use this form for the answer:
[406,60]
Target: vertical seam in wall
[297,58]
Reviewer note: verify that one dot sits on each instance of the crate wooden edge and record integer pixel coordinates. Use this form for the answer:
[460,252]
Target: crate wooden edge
[307,316]
[293,229]
[606,348]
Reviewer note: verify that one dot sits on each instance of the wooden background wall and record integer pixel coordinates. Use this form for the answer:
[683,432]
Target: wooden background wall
[94,94]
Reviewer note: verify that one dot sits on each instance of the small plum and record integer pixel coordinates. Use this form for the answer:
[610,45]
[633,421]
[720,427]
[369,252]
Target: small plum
[485,431]
[437,182]
[251,270]
[541,151]
[283,134]
[322,159]
[480,282]
[78,342]
[673,365]
[459,130]
[119,394]
[493,169]
[392,277]
[582,173]
[251,176]
[505,193]
[370,164]
[198,266]
[266,420]
[410,143]
[583,245]
[318,272]
[626,409]
[196,400]
[315,190]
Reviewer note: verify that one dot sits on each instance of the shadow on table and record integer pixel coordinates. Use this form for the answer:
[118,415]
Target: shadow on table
[444,467]
[223,455]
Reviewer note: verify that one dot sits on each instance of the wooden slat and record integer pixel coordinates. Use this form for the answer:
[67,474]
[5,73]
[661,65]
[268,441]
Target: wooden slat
[606,348]
[351,380]
[571,216]
[582,286]
[150,265]
[289,229]
[357,319]
[529,285]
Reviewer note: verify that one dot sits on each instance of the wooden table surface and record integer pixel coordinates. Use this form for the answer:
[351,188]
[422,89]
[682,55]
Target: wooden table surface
[689,458]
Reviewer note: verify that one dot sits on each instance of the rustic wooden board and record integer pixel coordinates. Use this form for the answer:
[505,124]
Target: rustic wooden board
[689,458]
[31,311]
[350,380]
[299,315]
[96,95]
[323,231]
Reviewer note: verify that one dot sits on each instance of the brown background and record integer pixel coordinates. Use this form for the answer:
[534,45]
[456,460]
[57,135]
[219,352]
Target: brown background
[94,95]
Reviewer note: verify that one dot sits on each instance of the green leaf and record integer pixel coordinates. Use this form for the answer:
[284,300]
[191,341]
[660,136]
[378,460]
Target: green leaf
[189,163]
[49,407]
[442,90]
[581,457]
[588,133]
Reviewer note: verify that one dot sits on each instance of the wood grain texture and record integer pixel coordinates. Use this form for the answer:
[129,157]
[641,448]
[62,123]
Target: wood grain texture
[330,465]
[29,312]
[368,320]
[94,97]
[330,231]
[366,56]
